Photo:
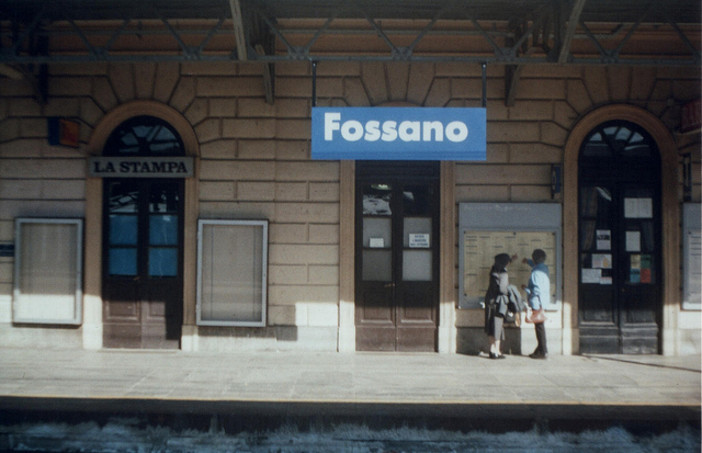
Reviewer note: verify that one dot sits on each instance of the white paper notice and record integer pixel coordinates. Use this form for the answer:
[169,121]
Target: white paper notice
[602,260]
[633,241]
[638,208]
[591,276]
[604,240]
[419,241]
[377,243]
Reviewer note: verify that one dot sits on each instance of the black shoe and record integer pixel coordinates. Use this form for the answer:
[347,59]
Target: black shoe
[495,356]
[538,355]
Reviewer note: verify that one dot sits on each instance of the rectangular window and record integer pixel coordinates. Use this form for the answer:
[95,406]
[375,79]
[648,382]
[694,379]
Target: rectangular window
[232,271]
[48,271]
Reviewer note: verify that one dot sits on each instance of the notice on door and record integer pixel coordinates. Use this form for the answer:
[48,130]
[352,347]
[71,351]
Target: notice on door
[419,241]
[633,241]
[638,208]
[640,269]
[604,239]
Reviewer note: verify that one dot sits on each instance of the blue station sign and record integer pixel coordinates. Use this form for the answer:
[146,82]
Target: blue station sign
[398,133]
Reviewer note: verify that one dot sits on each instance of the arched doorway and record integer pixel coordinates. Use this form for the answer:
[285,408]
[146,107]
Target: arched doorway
[142,256]
[667,207]
[93,325]
[619,240]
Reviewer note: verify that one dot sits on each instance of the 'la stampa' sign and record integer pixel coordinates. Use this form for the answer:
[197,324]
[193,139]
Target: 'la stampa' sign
[141,167]
[398,133]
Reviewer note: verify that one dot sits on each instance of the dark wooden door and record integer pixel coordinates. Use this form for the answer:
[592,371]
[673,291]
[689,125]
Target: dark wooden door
[142,256]
[397,228]
[620,245]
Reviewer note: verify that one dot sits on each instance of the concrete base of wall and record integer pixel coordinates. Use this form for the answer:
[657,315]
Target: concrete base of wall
[518,341]
[689,342]
[279,338]
[216,339]
[41,336]
[469,340]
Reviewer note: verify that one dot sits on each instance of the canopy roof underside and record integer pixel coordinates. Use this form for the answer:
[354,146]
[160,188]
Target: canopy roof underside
[508,32]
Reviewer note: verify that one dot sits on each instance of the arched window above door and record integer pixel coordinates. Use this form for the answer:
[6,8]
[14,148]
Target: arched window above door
[144,136]
[618,140]
[619,150]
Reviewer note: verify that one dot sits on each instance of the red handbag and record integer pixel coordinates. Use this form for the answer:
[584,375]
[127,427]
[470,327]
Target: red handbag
[536,317]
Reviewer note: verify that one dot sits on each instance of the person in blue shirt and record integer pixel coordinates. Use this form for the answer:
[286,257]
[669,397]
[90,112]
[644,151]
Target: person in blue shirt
[538,296]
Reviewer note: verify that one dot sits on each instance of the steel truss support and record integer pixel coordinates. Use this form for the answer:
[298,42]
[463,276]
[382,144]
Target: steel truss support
[231,30]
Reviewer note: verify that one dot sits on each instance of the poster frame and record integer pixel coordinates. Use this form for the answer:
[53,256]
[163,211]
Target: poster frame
[511,217]
[692,224]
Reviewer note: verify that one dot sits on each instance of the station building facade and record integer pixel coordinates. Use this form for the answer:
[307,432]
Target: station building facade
[223,234]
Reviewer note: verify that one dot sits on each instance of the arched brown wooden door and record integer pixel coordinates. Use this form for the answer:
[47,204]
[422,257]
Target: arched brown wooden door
[620,278]
[142,283]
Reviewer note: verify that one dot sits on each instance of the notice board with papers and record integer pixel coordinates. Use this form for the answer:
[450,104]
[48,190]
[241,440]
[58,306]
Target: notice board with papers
[487,229]
[692,257]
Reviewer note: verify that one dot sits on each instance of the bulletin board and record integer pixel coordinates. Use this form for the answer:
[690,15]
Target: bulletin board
[692,257]
[487,229]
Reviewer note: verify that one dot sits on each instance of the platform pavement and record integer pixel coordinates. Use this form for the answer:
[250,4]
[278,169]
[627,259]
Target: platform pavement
[321,384]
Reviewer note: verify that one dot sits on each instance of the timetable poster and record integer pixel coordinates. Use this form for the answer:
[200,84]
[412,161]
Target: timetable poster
[480,248]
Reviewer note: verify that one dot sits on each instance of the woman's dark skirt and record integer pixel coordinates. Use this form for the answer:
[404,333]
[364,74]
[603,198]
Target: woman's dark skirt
[494,323]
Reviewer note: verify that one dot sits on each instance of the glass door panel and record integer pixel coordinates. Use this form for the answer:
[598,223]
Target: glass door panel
[417,262]
[417,232]
[122,200]
[377,233]
[417,200]
[163,229]
[417,265]
[377,266]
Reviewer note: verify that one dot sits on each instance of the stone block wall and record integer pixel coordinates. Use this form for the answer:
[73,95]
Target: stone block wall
[254,164]
[254,157]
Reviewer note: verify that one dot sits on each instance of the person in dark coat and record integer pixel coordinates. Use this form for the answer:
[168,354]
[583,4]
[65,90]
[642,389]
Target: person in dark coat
[496,301]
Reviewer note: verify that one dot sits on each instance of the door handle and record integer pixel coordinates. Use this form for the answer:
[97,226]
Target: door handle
[389,285]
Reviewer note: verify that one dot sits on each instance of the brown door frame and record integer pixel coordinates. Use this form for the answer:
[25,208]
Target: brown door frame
[405,327]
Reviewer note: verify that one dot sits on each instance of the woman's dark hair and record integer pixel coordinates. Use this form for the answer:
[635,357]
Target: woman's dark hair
[501,262]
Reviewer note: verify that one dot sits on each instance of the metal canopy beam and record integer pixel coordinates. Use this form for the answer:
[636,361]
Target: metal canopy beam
[238,23]
[478,31]
[569,34]
[268,77]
